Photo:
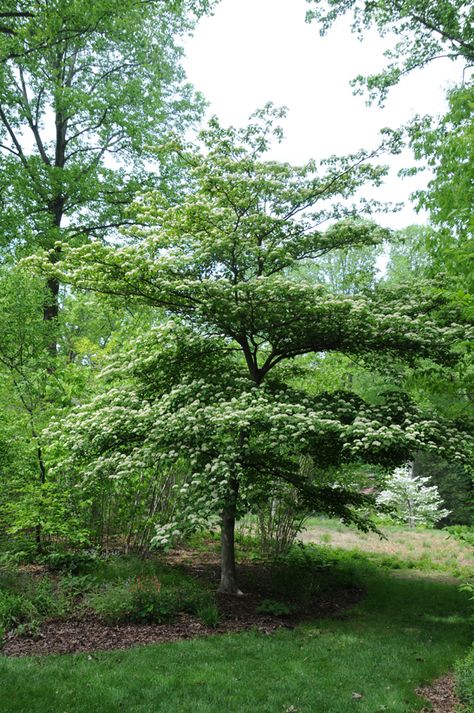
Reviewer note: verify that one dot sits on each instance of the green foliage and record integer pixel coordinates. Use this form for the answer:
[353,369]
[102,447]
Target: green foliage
[270,606]
[280,516]
[69,563]
[423,32]
[32,391]
[140,601]
[208,614]
[408,255]
[120,589]
[454,484]
[347,271]
[464,672]
[295,576]
[147,599]
[448,146]
[26,600]
[14,610]
[462,533]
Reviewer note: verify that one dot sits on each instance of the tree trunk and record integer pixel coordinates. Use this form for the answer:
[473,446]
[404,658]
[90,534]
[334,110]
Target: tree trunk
[42,470]
[51,307]
[228,583]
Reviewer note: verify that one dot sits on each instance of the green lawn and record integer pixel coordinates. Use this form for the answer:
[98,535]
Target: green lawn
[406,632]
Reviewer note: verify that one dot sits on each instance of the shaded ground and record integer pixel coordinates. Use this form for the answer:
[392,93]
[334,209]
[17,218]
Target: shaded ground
[404,631]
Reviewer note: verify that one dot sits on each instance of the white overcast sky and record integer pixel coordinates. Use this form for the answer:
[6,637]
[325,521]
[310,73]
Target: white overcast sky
[254,51]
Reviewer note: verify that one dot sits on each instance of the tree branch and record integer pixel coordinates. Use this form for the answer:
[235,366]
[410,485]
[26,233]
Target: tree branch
[29,117]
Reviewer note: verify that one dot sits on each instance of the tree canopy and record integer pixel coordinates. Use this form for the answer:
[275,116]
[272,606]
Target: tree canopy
[84,91]
[424,32]
[211,385]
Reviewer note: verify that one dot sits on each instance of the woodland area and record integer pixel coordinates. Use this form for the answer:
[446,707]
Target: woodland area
[200,355]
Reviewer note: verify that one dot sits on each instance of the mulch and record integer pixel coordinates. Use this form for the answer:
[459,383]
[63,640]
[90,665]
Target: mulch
[88,633]
[441,695]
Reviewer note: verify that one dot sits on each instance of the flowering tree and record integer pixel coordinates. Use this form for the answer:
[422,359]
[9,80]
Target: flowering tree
[210,385]
[414,502]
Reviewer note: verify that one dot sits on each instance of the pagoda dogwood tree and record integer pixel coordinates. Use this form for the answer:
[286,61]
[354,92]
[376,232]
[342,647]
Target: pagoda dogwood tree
[210,386]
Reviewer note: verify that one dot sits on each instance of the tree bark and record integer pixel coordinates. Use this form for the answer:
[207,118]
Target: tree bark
[42,469]
[228,584]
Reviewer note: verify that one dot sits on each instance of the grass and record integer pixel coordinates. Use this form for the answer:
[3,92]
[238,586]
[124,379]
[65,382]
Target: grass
[404,634]
[409,629]
[435,550]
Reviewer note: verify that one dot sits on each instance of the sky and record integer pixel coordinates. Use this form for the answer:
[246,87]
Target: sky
[254,51]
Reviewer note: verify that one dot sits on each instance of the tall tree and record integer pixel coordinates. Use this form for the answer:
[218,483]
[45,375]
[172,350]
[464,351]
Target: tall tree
[425,31]
[447,145]
[85,90]
[210,385]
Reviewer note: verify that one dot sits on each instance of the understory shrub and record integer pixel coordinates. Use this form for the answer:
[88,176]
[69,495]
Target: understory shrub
[279,520]
[296,575]
[149,599]
[270,606]
[464,674]
[15,609]
[69,562]
[208,614]
[26,600]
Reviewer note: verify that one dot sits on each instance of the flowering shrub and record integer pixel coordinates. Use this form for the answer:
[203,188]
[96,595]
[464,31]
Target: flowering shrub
[412,500]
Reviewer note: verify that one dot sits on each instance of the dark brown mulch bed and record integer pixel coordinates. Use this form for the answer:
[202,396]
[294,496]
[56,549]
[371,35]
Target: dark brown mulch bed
[91,634]
[441,695]
[88,633]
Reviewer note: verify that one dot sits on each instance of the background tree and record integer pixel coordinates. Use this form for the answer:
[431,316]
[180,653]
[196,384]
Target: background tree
[412,500]
[424,32]
[28,385]
[447,145]
[419,251]
[84,90]
[35,386]
[209,386]
[454,484]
